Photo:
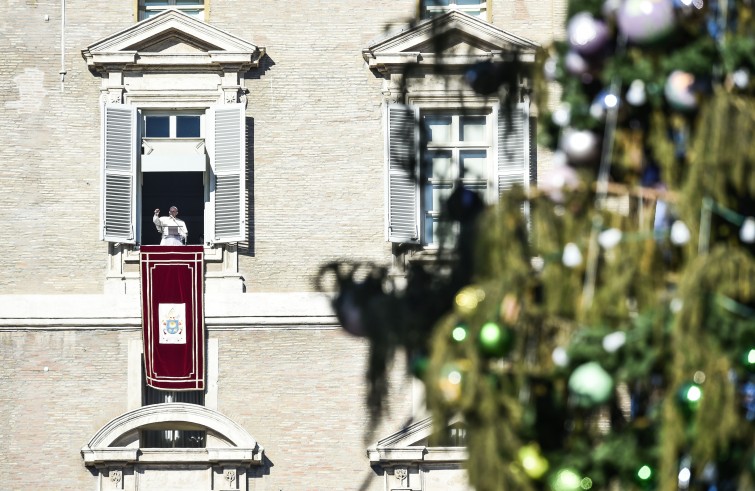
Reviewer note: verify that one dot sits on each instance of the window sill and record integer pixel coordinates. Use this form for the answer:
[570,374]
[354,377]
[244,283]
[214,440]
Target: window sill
[211,254]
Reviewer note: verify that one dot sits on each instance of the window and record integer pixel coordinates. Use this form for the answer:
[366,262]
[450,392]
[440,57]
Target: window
[170,437]
[457,150]
[477,8]
[150,8]
[172,125]
[481,148]
[172,159]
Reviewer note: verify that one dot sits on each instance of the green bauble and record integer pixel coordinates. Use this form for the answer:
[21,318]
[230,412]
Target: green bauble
[459,333]
[748,360]
[689,396]
[566,479]
[532,461]
[495,340]
[591,384]
[645,475]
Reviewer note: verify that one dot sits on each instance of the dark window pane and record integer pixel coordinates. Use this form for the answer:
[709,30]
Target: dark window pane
[157,126]
[187,126]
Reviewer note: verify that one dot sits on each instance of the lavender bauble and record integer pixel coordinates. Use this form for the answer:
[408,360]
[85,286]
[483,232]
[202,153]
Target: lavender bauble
[646,21]
[587,35]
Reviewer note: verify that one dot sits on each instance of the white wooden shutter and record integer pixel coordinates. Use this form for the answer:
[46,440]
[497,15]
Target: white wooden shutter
[513,148]
[227,149]
[402,153]
[119,153]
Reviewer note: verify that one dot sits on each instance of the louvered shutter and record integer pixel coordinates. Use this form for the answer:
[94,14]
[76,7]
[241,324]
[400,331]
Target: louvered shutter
[513,148]
[403,141]
[227,149]
[119,153]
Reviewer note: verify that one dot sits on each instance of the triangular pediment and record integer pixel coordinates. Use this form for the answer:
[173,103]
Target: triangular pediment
[174,42]
[172,38]
[453,37]
[410,444]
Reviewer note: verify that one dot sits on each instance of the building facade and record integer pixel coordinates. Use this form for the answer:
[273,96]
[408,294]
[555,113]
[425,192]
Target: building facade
[282,131]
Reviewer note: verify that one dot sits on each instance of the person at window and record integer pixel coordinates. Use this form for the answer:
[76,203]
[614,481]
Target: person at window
[173,230]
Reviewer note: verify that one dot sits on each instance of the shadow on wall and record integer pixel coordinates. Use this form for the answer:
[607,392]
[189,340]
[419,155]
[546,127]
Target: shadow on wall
[248,248]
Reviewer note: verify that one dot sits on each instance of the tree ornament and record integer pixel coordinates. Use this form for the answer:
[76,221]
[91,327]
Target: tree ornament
[468,298]
[636,95]
[450,381]
[418,365]
[612,342]
[566,479]
[459,333]
[604,101]
[572,256]
[645,475]
[591,384]
[575,64]
[495,340]
[741,78]
[609,8]
[645,21]
[580,146]
[678,91]
[560,357]
[532,461]
[679,234]
[689,396]
[747,232]
[748,400]
[587,35]
[562,115]
[561,178]
[748,360]
[610,238]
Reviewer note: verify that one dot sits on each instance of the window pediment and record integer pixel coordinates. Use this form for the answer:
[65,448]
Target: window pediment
[461,38]
[172,39]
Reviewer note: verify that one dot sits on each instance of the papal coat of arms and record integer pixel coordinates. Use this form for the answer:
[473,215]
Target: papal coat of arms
[172,323]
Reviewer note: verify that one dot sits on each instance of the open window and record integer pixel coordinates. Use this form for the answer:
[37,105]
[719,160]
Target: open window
[155,159]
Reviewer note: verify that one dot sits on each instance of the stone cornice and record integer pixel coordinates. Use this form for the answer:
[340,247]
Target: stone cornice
[243,310]
[217,49]
[391,53]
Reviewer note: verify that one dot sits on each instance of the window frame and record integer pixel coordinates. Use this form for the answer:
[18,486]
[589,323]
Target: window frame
[142,9]
[172,123]
[455,146]
[481,9]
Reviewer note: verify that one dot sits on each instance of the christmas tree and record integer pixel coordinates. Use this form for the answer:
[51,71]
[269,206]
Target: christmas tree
[599,331]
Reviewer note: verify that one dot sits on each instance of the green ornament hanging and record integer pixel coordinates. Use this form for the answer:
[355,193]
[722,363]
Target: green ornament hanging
[567,479]
[495,340]
[459,333]
[591,384]
[689,396]
[748,360]
[645,475]
[532,461]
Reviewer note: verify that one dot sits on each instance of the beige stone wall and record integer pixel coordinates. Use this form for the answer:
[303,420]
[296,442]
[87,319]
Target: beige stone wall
[298,392]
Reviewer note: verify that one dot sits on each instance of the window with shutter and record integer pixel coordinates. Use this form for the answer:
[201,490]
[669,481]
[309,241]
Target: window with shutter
[484,148]
[513,147]
[402,159]
[227,151]
[119,153]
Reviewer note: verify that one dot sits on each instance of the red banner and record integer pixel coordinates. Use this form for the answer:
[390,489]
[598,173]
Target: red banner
[172,280]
